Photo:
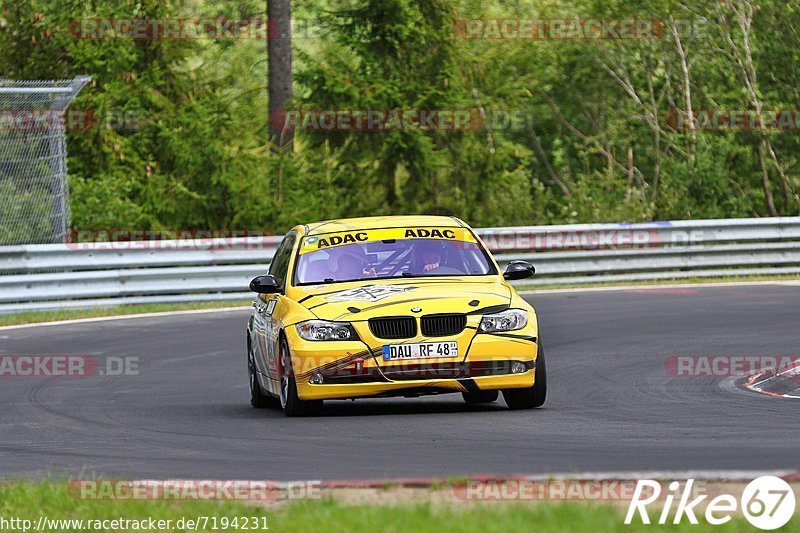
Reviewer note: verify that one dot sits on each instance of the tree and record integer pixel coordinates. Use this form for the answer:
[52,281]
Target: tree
[279,50]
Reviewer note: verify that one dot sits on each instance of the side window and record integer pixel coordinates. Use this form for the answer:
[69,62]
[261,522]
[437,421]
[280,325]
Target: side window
[280,262]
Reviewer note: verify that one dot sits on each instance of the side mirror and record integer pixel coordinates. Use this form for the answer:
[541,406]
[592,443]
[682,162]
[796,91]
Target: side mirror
[518,270]
[265,285]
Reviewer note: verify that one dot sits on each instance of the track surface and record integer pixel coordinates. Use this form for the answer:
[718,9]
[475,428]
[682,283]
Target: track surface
[611,405]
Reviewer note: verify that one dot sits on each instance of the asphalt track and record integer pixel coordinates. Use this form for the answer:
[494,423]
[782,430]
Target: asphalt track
[612,406]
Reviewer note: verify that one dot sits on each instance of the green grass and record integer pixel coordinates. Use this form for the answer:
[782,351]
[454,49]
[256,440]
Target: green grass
[69,314]
[500,517]
[29,500]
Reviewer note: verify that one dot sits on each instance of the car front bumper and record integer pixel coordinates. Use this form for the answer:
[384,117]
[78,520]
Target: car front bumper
[354,369]
[413,387]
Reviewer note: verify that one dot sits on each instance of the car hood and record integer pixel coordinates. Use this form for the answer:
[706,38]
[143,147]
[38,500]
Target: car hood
[369,299]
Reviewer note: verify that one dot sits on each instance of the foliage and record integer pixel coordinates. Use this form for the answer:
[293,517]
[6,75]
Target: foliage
[598,141]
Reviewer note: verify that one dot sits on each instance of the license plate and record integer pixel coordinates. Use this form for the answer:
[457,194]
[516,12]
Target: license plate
[422,350]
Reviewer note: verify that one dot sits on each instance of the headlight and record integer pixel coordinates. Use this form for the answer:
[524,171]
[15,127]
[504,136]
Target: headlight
[506,321]
[322,330]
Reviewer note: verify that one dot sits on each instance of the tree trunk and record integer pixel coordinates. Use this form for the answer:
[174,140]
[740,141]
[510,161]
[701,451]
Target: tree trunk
[687,94]
[279,51]
[762,156]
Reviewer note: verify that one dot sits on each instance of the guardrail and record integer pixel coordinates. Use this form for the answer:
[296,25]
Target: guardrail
[54,276]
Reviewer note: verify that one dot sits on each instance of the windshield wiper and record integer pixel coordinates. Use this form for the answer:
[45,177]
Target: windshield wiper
[412,275]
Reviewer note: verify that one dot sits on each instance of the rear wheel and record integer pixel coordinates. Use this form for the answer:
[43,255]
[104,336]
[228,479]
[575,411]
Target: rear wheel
[291,404]
[533,396]
[258,398]
[482,396]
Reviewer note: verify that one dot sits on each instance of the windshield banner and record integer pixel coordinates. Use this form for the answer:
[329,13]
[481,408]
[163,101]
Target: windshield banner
[329,240]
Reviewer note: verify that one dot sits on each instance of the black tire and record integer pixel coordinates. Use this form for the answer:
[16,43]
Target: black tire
[534,396]
[483,396]
[291,404]
[258,398]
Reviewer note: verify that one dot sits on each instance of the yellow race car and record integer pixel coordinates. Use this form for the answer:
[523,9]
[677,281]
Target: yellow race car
[391,306]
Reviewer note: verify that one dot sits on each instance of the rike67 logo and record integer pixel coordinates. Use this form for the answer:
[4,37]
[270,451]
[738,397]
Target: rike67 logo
[767,502]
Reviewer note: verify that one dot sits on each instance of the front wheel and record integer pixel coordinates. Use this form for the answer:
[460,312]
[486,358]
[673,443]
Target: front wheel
[532,396]
[291,404]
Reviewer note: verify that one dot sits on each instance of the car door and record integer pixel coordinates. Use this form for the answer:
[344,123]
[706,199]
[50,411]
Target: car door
[265,323]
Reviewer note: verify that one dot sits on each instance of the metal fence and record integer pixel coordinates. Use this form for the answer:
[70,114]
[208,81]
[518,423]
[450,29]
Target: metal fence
[34,195]
[38,277]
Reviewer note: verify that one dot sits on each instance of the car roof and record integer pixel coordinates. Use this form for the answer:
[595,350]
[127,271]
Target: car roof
[396,221]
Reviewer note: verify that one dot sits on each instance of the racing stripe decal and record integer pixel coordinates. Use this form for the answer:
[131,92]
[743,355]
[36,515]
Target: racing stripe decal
[469,384]
[334,364]
[489,310]
[326,293]
[512,336]
[378,306]
[387,304]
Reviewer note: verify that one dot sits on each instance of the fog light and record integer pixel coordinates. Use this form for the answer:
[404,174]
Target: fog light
[316,379]
[517,367]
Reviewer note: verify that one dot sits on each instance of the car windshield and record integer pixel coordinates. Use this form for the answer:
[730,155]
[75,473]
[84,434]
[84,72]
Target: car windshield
[392,258]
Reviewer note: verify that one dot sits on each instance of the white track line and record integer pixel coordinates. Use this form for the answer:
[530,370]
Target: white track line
[124,317]
[758,383]
[660,287]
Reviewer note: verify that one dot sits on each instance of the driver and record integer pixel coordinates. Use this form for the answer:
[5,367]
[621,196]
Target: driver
[427,256]
[350,262]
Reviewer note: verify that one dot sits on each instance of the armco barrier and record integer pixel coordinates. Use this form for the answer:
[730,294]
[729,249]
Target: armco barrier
[53,276]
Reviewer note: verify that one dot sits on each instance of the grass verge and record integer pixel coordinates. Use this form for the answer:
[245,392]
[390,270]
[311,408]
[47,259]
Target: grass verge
[30,501]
